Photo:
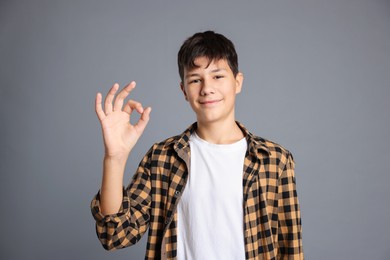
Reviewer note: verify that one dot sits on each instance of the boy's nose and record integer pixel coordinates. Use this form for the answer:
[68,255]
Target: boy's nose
[207,88]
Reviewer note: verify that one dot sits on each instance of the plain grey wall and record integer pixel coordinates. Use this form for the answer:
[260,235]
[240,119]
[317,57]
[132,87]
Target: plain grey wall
[317,81]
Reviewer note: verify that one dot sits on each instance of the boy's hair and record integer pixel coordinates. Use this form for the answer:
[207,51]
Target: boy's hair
[209,44]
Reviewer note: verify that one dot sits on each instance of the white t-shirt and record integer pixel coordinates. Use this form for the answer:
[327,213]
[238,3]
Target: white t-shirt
[210,211]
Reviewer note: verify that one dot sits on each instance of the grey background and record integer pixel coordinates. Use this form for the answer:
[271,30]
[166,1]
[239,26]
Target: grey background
[317,81]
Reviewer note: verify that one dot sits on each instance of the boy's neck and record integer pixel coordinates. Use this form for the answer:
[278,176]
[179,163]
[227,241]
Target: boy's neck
[220,132]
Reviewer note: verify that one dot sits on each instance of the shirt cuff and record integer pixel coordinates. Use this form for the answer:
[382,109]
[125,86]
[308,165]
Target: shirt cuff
[111,218]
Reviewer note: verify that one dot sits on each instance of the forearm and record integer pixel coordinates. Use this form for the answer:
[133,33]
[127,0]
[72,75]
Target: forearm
[122,218]
[111,191]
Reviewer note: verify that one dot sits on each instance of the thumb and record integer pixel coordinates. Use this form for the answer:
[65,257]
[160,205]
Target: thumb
[143,121]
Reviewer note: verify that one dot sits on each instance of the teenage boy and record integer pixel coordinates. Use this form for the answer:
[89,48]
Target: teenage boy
[216,191]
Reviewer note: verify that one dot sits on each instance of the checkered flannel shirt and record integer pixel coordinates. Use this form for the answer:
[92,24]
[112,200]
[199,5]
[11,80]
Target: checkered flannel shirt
[272,221]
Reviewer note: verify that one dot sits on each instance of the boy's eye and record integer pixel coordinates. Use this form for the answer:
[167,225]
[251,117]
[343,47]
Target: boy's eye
[218,76]
[194,81]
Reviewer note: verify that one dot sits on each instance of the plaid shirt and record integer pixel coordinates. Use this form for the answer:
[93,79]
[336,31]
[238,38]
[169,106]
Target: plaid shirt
[272,221]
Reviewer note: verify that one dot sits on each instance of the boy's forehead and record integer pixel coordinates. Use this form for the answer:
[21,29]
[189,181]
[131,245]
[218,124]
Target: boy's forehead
[204,63]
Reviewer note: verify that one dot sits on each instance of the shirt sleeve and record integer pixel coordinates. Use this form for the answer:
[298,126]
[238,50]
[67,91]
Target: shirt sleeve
[289,216]
[126,227]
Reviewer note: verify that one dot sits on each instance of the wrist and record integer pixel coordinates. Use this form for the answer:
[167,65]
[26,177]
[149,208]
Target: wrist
[114,163]
[117,159]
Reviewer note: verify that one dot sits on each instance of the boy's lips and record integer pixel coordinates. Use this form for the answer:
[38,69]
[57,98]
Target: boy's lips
[207,102]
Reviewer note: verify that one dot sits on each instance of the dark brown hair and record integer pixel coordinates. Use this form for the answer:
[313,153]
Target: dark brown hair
[209,44]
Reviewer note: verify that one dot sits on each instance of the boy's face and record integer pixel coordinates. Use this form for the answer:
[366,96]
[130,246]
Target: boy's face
[211,90]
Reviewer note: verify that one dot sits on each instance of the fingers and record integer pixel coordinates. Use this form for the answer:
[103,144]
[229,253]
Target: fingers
[109,107]
[98,107]
[122,95]
[109,98]
[131,105]
[143,121]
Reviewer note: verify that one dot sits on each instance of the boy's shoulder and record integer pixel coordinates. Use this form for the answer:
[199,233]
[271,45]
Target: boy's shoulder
[261,143]
[271,145]
[170,141]
[271,152]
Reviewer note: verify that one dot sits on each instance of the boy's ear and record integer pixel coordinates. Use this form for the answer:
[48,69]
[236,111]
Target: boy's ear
[239,80]
[183,90]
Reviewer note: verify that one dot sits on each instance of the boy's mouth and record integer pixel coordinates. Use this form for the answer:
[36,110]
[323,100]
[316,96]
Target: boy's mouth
[209,102]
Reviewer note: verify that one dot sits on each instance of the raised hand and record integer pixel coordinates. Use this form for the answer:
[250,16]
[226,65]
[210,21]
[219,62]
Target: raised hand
[119,135]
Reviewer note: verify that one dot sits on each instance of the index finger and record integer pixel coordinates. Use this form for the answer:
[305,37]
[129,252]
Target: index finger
[122,95]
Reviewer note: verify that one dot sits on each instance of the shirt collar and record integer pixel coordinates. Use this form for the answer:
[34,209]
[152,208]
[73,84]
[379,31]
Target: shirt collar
[255,144]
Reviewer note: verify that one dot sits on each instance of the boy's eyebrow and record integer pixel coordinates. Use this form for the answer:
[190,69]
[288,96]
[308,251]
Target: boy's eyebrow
[192,75]
[197,74]
[218,70]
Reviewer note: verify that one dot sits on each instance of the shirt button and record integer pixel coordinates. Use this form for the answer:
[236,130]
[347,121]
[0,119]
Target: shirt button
[177,193]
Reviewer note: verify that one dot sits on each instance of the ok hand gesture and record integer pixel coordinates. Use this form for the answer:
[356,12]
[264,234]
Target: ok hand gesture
[119,135]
